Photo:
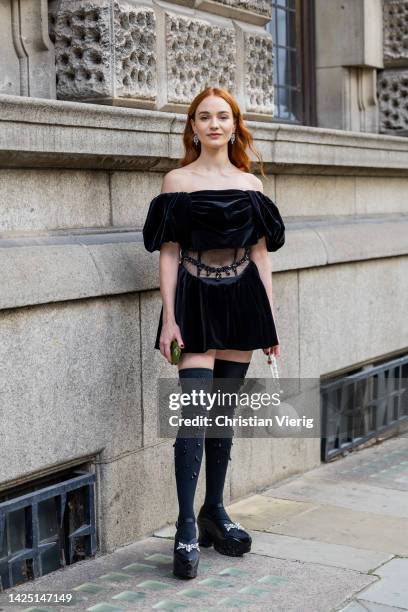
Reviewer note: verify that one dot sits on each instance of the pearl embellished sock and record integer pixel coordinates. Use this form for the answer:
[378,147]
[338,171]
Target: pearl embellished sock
[188,451]
[217,450]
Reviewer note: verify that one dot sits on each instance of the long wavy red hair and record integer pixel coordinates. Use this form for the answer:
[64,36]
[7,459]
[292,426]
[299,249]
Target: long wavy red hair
[243,137]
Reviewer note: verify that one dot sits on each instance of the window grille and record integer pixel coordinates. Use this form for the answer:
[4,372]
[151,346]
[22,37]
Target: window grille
[46,529]
[359,406]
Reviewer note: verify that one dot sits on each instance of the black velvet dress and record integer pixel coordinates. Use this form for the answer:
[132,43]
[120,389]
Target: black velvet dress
[221,301]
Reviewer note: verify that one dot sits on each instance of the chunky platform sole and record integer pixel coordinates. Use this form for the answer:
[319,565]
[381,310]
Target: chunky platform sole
[185,569]
[232,547]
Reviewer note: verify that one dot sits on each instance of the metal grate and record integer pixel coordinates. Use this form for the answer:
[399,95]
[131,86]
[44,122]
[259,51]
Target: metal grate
[47,529]
[359,406]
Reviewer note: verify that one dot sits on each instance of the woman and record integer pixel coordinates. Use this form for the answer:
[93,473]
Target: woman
[214,227]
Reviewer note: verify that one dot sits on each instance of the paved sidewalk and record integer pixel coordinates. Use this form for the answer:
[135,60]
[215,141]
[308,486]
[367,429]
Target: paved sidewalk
[333,539]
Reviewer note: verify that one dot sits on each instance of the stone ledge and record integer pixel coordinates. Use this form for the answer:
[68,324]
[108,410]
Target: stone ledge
[55,134]
[60,266]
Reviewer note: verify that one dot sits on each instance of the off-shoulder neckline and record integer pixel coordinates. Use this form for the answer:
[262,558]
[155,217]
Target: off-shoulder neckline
[211,191]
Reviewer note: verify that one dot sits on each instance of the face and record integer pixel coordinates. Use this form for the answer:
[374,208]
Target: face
[214,122]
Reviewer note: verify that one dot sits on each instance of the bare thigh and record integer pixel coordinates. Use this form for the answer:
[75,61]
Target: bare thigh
[197,360]
[234,355]
[206,360]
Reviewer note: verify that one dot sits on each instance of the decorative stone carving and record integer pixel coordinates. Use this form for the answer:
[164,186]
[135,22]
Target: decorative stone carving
[116,51]
[258,73]
[395,31]
[199,54]
[393,97]
[257,12]
[392,83]
[264,7]
[106,51]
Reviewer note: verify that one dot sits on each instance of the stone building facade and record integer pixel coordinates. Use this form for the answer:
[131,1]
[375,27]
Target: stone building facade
[93,95]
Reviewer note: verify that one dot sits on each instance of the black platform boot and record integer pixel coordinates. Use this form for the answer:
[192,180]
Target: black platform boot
[228,537]
[186,554]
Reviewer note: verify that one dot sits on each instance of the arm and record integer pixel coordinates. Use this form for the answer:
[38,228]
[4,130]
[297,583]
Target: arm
[259,255]
[168,269]
[168,265]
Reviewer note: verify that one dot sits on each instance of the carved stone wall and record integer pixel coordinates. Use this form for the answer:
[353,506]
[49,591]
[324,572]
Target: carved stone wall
[105,50]
[396,31]
[264,7]
[198,53]
[118,51]
[258,73]
[393,80]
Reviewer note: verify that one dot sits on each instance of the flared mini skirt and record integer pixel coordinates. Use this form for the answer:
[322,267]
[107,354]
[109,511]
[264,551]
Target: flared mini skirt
[225,313]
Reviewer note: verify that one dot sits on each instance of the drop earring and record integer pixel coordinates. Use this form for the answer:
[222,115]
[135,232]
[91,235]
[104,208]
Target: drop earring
[195,139]
[233,138]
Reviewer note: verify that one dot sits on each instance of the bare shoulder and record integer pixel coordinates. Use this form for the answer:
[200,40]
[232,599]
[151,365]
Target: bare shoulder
[174,180]
[256,182]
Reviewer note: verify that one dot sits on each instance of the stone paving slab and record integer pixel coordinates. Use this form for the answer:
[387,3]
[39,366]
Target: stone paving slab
[345,494]
[263,513]
[329,524]
[311,551]
[251,582]
[356,529]
[384,465]
[392,589]
[308,551]
[368,606]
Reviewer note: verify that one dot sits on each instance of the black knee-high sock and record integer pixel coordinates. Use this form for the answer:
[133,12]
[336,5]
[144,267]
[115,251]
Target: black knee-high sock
[188,451]
[217,450]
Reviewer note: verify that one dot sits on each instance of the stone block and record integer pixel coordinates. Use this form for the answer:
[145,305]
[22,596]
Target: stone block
[392,88]
[260,7]
[395,17]
[356,39]
[10,65]
[380,195]
[27,67]
[45,199]
[70,384]
[194,54]
[334,332]
[255,73]
[315,195]
[131,194]
[105,51]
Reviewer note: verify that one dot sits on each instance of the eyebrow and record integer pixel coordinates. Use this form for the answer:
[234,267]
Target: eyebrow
[219,112]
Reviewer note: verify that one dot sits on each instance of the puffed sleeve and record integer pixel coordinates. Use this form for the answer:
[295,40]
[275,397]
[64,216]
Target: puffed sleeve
[269,222]
[165,220]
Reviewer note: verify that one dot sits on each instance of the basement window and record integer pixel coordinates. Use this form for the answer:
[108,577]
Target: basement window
[363,404]
[46,528]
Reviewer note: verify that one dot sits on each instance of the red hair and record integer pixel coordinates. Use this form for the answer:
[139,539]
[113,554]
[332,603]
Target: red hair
[243,137]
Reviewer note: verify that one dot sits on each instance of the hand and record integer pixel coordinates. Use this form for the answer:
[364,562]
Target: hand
[272,350]
[170,332]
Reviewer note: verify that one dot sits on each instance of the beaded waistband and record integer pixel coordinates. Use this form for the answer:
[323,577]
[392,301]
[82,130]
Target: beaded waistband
[217,270]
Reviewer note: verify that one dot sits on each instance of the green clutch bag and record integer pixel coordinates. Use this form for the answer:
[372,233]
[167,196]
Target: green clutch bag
[175,351]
